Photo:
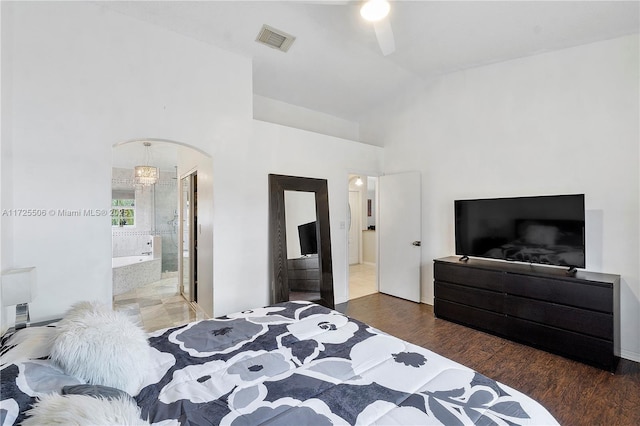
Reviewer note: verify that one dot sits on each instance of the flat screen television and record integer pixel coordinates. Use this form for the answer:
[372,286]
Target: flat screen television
[308,238]
[543,229]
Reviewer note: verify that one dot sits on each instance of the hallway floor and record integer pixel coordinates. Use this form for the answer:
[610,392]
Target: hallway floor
[157,305]
[362,280]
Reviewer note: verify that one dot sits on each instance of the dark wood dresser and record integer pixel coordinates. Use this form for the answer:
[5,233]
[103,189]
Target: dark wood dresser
[304,273]
[576,316]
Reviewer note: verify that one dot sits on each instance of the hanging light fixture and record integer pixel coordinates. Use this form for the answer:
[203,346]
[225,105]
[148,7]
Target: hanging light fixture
[359,181]
[146,175]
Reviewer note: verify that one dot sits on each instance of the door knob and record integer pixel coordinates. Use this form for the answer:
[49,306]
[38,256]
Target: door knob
[416,243]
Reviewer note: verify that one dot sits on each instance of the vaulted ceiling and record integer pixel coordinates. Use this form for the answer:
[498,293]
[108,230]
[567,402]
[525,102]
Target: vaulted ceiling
[335,65]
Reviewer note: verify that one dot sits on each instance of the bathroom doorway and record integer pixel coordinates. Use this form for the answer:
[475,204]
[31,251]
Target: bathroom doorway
[148,230]
[362,239]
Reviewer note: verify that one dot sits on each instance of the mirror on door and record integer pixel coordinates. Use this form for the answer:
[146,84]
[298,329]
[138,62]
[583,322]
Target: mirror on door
[300,240]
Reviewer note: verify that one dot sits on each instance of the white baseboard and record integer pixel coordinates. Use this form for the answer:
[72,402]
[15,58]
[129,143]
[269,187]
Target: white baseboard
[630,355]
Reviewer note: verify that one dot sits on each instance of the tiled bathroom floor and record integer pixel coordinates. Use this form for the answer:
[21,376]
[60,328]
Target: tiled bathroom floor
[157,305]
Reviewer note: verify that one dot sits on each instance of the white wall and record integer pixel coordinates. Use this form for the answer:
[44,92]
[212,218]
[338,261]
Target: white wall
[288,151]
[83,79]
[190,160]
[278,112]
[559,122]
[6,221]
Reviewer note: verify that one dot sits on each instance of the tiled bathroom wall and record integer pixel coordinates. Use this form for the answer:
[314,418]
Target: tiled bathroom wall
[156,212]
[166,219]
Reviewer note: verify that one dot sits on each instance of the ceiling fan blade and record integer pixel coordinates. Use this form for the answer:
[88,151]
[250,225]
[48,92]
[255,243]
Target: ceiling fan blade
[384,34]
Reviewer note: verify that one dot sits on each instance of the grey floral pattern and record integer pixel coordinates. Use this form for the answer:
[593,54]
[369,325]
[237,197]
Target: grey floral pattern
[208,337]
[256,367]
[297,363]
[315,366]
[411,359]
[285,415]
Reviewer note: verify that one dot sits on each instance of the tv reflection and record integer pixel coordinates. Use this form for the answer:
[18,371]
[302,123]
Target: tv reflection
[539,241]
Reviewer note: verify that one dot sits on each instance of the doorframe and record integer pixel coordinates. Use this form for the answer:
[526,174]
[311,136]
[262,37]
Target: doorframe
[366,174]
[193,232]
[195,155]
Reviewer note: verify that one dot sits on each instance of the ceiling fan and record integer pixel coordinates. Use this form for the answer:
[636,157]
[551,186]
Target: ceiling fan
[377,12]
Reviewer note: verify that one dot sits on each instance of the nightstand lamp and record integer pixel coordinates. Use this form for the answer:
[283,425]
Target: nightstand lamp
[18,288]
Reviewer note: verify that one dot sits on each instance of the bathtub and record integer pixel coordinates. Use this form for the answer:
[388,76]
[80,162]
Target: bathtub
[131,272]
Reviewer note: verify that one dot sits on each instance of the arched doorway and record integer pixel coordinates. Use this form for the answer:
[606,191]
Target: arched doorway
[153,229]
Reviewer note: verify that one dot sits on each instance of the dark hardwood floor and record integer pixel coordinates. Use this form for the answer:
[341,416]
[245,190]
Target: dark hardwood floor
[575,393]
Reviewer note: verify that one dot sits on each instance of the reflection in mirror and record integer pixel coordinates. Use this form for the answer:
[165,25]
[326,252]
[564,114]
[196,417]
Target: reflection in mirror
[303,268]
[300,240]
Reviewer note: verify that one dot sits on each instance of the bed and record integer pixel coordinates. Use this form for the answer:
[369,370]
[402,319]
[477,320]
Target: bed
[294,363]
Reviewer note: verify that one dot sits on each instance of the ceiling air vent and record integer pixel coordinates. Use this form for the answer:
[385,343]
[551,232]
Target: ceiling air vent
[275,38]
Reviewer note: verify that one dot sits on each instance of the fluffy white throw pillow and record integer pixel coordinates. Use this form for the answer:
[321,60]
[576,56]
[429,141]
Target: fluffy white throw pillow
[101,347]
[83,410]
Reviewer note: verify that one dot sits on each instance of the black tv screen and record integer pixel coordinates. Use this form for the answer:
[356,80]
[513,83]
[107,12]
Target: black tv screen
[544,229]
[308,239]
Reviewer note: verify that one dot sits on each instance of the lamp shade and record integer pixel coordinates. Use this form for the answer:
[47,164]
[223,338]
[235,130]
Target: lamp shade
[18,286]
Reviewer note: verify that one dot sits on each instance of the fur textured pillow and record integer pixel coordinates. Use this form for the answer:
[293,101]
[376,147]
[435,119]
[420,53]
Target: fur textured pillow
[101,347]
[83,410]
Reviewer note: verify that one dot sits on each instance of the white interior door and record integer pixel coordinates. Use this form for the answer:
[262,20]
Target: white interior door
[399,218]
[354,227]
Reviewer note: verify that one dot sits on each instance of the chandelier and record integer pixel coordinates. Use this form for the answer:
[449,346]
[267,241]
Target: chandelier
[146,175]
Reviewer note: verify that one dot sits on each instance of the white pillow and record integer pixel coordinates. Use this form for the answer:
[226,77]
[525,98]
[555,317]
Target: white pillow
[82,410]
[101,347]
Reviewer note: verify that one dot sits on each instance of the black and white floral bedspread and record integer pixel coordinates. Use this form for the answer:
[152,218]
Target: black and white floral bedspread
[296,363]
[302,364]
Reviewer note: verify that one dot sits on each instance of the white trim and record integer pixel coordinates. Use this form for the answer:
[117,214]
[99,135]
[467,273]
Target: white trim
[630,355]
[170,141]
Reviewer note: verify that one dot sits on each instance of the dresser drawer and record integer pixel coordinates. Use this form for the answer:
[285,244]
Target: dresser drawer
[596,324]
[473,277]
[572,293]
[577,316]
[477,318]
[578,346]
[484,299]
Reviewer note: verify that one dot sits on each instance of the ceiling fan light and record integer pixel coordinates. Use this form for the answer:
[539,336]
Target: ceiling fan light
[375,10]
